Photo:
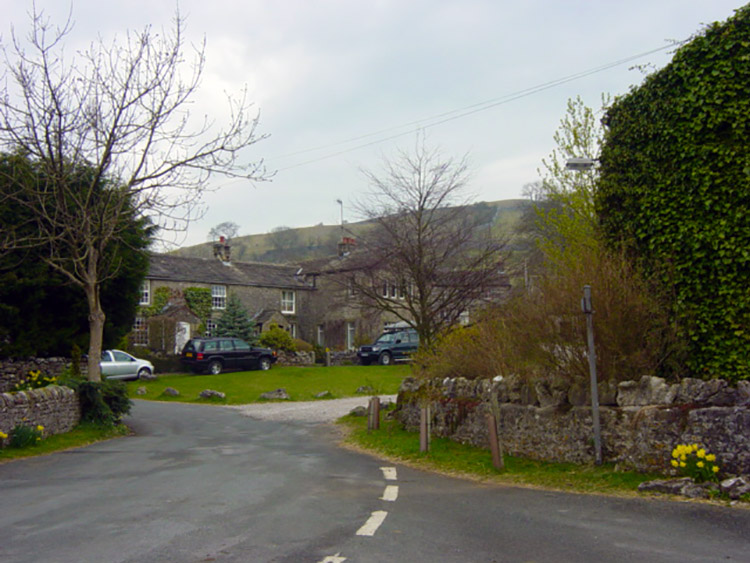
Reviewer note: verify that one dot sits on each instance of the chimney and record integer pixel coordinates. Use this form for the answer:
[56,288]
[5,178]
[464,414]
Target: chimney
[346,246]
[222,250]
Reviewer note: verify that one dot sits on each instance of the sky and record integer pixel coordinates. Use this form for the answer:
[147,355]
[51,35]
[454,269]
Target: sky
[342,85]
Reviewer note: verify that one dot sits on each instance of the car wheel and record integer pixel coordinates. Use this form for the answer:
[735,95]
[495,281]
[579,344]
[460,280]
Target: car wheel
[214,367]
[143,372]
[265,363]
[385,359]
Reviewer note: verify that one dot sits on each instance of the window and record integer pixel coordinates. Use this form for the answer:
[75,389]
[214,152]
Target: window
[292,330]
[287,302]
[351,331]
[140,332]
[394,291]
[321,338]
[145,293]
[218,297]
[385,289]
[210,328]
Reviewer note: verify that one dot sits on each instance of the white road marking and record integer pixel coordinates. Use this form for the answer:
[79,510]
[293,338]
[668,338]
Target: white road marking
[334,559]
[390,493]
[389,473]
[373,523]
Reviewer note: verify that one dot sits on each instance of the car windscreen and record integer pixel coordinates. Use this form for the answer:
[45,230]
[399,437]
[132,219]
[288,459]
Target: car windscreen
[386,338]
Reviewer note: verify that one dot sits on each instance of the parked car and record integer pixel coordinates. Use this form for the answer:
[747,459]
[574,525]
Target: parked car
[116,364]
[396,344]
[214,355]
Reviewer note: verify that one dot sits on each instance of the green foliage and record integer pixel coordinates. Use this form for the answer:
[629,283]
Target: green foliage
[675,175]
[75,362]
[104,402]
[199,301]
[277,338]
[303,346]
[35,379]
[235,321]
[694,461]
[24,436]
[41,312]
[159,300]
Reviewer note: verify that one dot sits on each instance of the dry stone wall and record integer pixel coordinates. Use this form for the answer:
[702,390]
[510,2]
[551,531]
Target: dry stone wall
[12,370]
[295,358]
[54,407]
[641,421]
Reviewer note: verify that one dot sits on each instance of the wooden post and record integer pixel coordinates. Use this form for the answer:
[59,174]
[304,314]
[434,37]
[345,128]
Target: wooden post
[588,310]
[373,422]
[497,458]
[424,434]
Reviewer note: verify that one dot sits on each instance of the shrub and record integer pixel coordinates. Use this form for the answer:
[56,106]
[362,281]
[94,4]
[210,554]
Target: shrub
[303,346]
[277,338]
[24,436]
[103,402]
[33,380]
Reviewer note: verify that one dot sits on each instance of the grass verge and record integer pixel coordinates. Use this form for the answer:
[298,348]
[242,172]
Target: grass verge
[451,458]
[301,383]
[82,435]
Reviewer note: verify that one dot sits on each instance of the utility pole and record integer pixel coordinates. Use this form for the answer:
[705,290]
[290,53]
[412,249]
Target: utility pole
[588,310]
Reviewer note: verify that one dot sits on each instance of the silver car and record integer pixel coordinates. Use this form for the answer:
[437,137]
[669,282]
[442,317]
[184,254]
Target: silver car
[117,364]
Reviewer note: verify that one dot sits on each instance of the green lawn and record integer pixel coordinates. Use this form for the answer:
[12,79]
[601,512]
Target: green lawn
[302,383]
[81,435]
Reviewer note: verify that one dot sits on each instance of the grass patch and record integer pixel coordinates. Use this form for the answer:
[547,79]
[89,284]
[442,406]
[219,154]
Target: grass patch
[302,383]
[446,456]
[82,435]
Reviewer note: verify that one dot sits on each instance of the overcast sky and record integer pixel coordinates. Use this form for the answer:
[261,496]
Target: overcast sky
[340,84]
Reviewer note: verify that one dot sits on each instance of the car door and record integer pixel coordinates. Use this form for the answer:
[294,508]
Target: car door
[227,351]
[106,364]
[122,365]
[246,358]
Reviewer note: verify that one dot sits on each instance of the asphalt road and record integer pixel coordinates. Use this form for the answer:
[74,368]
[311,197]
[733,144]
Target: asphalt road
[202,483]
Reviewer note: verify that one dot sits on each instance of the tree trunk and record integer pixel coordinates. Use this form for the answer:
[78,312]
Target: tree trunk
[96,331]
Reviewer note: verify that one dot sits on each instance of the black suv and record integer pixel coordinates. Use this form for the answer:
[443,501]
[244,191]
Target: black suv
[394,345]
[214,355]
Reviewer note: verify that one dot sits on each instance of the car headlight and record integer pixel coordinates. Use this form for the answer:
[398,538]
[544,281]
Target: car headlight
[376,348]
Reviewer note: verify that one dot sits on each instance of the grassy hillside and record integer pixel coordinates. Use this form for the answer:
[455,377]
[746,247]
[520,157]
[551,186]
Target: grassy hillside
[305,243]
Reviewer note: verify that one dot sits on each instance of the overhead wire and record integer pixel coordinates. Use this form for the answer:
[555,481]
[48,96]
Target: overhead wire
[439,119]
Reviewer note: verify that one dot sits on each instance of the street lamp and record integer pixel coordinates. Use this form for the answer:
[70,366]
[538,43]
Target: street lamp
[580,164]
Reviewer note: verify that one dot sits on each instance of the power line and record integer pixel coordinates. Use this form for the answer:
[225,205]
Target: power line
[459,113]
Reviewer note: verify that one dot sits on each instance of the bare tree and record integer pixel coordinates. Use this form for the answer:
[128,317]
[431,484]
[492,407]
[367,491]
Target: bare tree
[109,131]
[227,229]
[429,258]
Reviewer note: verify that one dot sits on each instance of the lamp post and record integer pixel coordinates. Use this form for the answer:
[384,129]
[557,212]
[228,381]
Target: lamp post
[583,164]
[341,204]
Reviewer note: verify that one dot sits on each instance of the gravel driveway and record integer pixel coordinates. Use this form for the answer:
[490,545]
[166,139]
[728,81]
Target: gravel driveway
[306,411]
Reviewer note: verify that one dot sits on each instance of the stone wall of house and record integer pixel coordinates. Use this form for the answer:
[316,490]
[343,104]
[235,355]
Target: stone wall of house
[641,421]
[12,370]
[56,408]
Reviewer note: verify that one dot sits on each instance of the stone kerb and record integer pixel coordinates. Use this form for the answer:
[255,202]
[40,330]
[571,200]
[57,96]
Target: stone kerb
[641,422]
[54,407]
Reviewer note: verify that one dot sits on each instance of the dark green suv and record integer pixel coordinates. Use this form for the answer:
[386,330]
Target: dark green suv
[394,345]
[214,355]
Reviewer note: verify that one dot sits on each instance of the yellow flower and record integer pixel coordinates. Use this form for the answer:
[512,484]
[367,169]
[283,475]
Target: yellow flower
[715,469]
[710,457]
[700,464]
[701,453]
[40,428]
[676,452]
[683,457]
[683,464]
[695,447]
[675,463]
[3,435]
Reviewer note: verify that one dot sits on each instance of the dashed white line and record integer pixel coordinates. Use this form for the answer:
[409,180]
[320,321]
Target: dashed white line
[390,493]
[373,523]
[333,559]
[389,473]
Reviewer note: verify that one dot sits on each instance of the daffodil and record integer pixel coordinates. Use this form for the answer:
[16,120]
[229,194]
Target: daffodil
[710,457]
[675,463]
[700,464]
[715,469]
[701,453]
[683,464]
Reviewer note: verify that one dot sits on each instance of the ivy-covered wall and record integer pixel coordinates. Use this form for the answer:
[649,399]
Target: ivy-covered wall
[675,190]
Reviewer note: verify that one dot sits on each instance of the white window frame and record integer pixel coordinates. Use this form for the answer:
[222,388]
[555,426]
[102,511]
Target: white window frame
[218,297]
[140,331]
[292,330]
[321,335]
[351,334]
[210,328]
[288,302]
[145,293]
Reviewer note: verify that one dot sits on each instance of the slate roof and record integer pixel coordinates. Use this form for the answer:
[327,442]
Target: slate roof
[165,267]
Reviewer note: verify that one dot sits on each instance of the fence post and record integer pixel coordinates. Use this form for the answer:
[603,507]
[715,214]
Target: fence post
[424,431]
[373,421]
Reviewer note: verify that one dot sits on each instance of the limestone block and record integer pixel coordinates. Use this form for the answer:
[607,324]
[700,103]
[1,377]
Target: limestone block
[649,390]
